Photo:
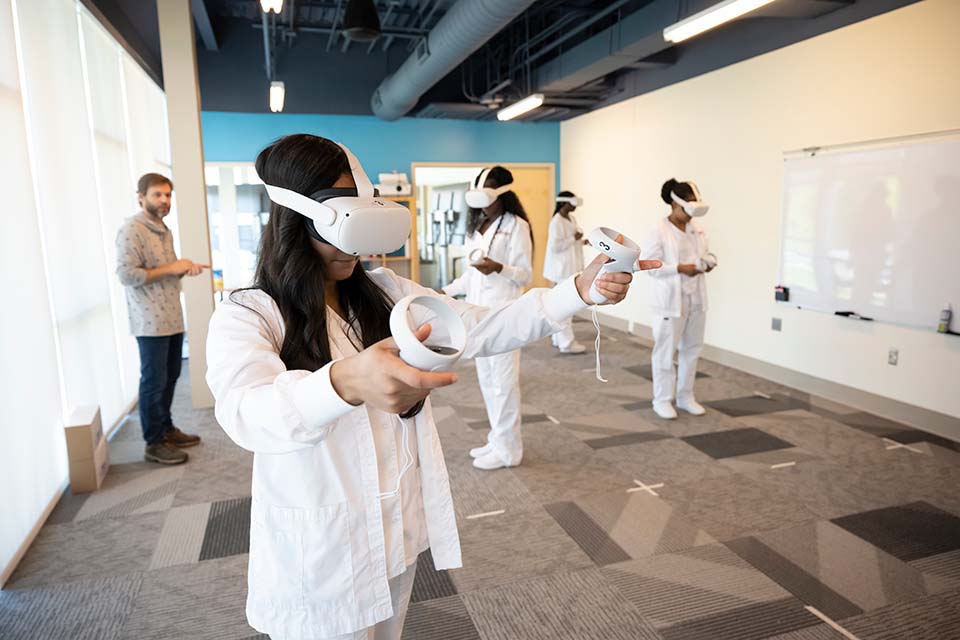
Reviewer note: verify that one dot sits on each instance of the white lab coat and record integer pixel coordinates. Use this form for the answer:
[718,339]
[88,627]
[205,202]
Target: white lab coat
[318,557]
[564,252]
[499,376]
[679,312]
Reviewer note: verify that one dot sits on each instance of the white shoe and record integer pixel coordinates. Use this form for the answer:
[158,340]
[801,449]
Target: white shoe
[665,410]
[490,461]
[691,406]
[574,348]
[476,452]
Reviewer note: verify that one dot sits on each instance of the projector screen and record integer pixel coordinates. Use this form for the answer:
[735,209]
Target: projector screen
[874,230]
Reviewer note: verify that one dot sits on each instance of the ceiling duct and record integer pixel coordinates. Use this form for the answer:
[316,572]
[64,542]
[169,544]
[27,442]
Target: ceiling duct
[461,31]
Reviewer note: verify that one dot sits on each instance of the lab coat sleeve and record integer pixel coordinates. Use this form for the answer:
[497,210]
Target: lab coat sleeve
[130,269]
[518,267]
[653,250]
[261,405]
[490,331]
[459,285]
[558,241]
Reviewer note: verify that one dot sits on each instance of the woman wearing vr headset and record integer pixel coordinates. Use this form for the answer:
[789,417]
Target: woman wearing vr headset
[498,230]
[679,300]
[306,375]
[564,258]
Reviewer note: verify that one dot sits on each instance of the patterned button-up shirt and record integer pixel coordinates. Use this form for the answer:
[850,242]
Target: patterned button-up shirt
[154,309]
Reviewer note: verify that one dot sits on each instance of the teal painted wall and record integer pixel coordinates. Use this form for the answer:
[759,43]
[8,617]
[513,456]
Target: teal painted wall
[385,146]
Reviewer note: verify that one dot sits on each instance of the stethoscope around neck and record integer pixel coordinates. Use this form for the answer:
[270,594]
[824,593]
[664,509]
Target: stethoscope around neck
[476,256]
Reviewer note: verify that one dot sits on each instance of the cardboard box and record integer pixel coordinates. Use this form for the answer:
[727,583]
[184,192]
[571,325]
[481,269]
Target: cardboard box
[87,475]
[84,432]
[88,451]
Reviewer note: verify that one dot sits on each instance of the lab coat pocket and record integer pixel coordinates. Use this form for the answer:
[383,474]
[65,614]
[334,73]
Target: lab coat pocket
[276,562]
[327,556]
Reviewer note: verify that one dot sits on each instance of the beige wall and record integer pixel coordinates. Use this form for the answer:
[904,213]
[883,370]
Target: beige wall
[893,75]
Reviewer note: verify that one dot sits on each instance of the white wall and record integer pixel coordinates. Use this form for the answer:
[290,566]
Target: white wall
[892,75]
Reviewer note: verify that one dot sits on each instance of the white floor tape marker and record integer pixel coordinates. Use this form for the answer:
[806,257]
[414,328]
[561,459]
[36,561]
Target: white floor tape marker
[553,420]
[782,465]
[836,627]
[649,488]
[893,444]
[484,515]
[762,395]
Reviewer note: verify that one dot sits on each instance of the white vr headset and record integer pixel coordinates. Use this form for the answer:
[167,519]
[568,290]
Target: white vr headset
[695,208]
[576,201]
[479,196]
[356,221]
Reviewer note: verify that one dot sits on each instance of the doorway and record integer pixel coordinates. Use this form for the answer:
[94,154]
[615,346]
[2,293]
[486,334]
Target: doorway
[442,213]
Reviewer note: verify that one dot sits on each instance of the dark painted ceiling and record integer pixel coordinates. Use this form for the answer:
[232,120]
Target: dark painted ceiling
[581,53]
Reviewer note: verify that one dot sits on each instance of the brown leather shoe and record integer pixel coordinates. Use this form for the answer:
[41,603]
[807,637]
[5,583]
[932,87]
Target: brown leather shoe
[176,438]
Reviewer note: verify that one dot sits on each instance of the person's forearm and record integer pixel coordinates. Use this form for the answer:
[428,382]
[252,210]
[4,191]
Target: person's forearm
[153,275]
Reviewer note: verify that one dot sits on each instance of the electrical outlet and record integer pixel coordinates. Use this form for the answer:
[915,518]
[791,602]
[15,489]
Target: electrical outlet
[776,324]
[893,357]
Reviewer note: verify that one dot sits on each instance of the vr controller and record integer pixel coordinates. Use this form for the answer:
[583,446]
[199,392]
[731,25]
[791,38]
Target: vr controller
[423,356]
[476,256]
[623,256]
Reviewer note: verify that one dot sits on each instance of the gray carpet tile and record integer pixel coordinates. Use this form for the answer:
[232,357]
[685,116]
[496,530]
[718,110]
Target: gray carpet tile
[752,622]
[703,582]
[945,565]
[125,493]
[88,610]
[839,560]
[911,436]
[68,507]
[228,529]
[441,619]
[767,460]
[812,432]
[689,425]
[645,371]
[872,424]
[219,479]
[513,546]
[182,536]
[670,461]
[752,405]
[579,605]
[737,442]
[793,578]
[641,524]
[550,481]
[203,601]
[933,618]
[588,534]
[910,532]
[89,549]
[625,439]
[817,632]
[430,584]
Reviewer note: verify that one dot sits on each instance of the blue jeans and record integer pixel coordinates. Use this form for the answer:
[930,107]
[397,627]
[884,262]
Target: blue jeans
[160,360]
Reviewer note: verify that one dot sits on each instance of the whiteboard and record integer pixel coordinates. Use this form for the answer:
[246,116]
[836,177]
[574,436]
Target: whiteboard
[874,229]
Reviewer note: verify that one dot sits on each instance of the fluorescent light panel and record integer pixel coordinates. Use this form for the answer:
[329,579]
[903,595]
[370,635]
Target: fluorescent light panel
[529,103]
[709,18]
[277,93]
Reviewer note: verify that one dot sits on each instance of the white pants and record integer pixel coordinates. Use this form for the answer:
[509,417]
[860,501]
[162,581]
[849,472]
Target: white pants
[564,338]
[499,378]
[390,629]
[672,335]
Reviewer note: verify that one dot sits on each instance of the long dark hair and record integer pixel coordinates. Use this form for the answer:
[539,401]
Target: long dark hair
[291,272]
[500,176]
[562,194]
[683,190]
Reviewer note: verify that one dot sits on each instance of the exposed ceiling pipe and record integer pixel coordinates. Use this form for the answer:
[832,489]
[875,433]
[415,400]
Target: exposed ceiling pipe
[461,31]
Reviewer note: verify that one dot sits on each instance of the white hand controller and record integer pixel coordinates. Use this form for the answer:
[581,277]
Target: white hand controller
[422,356]
[623,257]
[476,256]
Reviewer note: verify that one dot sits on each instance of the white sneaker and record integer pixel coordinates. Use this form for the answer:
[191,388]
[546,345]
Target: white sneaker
[574,348]
[490,461]
[691,406]
[665,410]
[476,452]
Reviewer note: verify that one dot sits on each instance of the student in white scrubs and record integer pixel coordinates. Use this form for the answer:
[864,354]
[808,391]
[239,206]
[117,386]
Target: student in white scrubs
[306,376]
[565,241]
[501,230]
[679,299]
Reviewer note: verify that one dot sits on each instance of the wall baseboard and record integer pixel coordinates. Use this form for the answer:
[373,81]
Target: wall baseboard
[25,545]
[57,495]
[934,422]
